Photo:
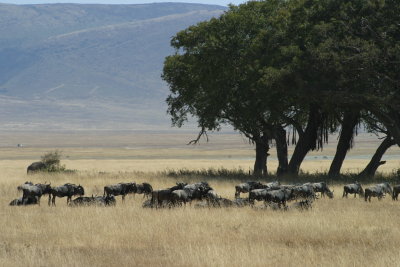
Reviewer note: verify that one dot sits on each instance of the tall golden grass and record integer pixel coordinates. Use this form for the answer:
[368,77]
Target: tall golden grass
[338,232]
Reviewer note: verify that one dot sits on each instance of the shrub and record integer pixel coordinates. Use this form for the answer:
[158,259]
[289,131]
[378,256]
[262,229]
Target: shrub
[52,160]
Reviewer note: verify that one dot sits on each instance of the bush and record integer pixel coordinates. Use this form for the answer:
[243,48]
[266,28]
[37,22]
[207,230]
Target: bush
[52,160]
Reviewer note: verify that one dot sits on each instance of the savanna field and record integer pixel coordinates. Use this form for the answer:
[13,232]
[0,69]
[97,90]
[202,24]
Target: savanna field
[335,232]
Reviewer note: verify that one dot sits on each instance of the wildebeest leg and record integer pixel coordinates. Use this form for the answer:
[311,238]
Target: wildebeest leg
[49,200]
[123,198]
[53,200]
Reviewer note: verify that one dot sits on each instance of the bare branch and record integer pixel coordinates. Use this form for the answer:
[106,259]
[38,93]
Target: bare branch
[201,133]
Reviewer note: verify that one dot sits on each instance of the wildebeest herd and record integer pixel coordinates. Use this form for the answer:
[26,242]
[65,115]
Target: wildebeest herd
[274,194]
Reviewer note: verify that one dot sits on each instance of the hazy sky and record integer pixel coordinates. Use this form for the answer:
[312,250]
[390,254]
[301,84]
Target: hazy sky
[215,2]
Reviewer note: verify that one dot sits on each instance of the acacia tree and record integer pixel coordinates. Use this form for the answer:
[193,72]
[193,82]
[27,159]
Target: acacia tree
[350,62]
[214,76]
[307,64]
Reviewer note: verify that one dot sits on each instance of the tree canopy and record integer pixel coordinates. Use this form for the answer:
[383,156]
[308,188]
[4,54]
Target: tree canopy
[266,67]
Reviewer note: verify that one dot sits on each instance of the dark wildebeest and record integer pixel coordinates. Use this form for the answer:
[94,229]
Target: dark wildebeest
[396,192]
[374,191]
[36,167]
[190,192]
[36,190]
[280,196]
[257,194]
[322,188]
[93,201]
[163,196]
[67,190]
[145,189]
[247,187]
[212,198]
[25,201]
[198,190]
[355,189]
[303,191]
[121,189]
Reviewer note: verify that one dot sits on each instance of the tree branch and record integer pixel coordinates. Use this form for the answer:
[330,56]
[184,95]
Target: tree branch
[201,133]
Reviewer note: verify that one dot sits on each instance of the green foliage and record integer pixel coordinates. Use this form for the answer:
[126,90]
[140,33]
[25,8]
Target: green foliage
[52,160]
[277,63]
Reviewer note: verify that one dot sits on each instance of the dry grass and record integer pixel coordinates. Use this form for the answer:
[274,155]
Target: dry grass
[338,232]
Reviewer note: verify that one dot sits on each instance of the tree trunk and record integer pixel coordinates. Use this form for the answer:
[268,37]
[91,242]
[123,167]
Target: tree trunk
[262,148]
[307,141]
[375,162]
[281,150]
[390,119]
[350,120]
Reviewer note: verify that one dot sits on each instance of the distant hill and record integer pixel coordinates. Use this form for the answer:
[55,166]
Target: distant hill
[66,66]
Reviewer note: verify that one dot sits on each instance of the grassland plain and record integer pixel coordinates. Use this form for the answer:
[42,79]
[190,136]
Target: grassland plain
[338,232]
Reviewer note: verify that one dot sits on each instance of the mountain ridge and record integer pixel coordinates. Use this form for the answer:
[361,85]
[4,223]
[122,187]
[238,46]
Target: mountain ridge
[103,74]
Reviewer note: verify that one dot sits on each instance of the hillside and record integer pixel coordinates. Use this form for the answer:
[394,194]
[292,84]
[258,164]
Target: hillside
[68,66]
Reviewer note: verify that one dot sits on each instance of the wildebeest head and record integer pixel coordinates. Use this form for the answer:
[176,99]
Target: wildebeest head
[21,187]
[79,190]
[110,200]
[330,193]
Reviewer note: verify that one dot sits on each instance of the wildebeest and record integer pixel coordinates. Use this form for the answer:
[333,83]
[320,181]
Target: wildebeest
[190,192]
[36,190]
[322,188]
[93,201]
[374,191]
[67,190]
[25,201]
[396,192]
[355,189]
[144,188]
[303,191]
[212,197]
[24,185]
[280,196]
[257,194]
[247,187]
[36,166]
[164,196]
[121,189]
[273,185]
[387,189]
